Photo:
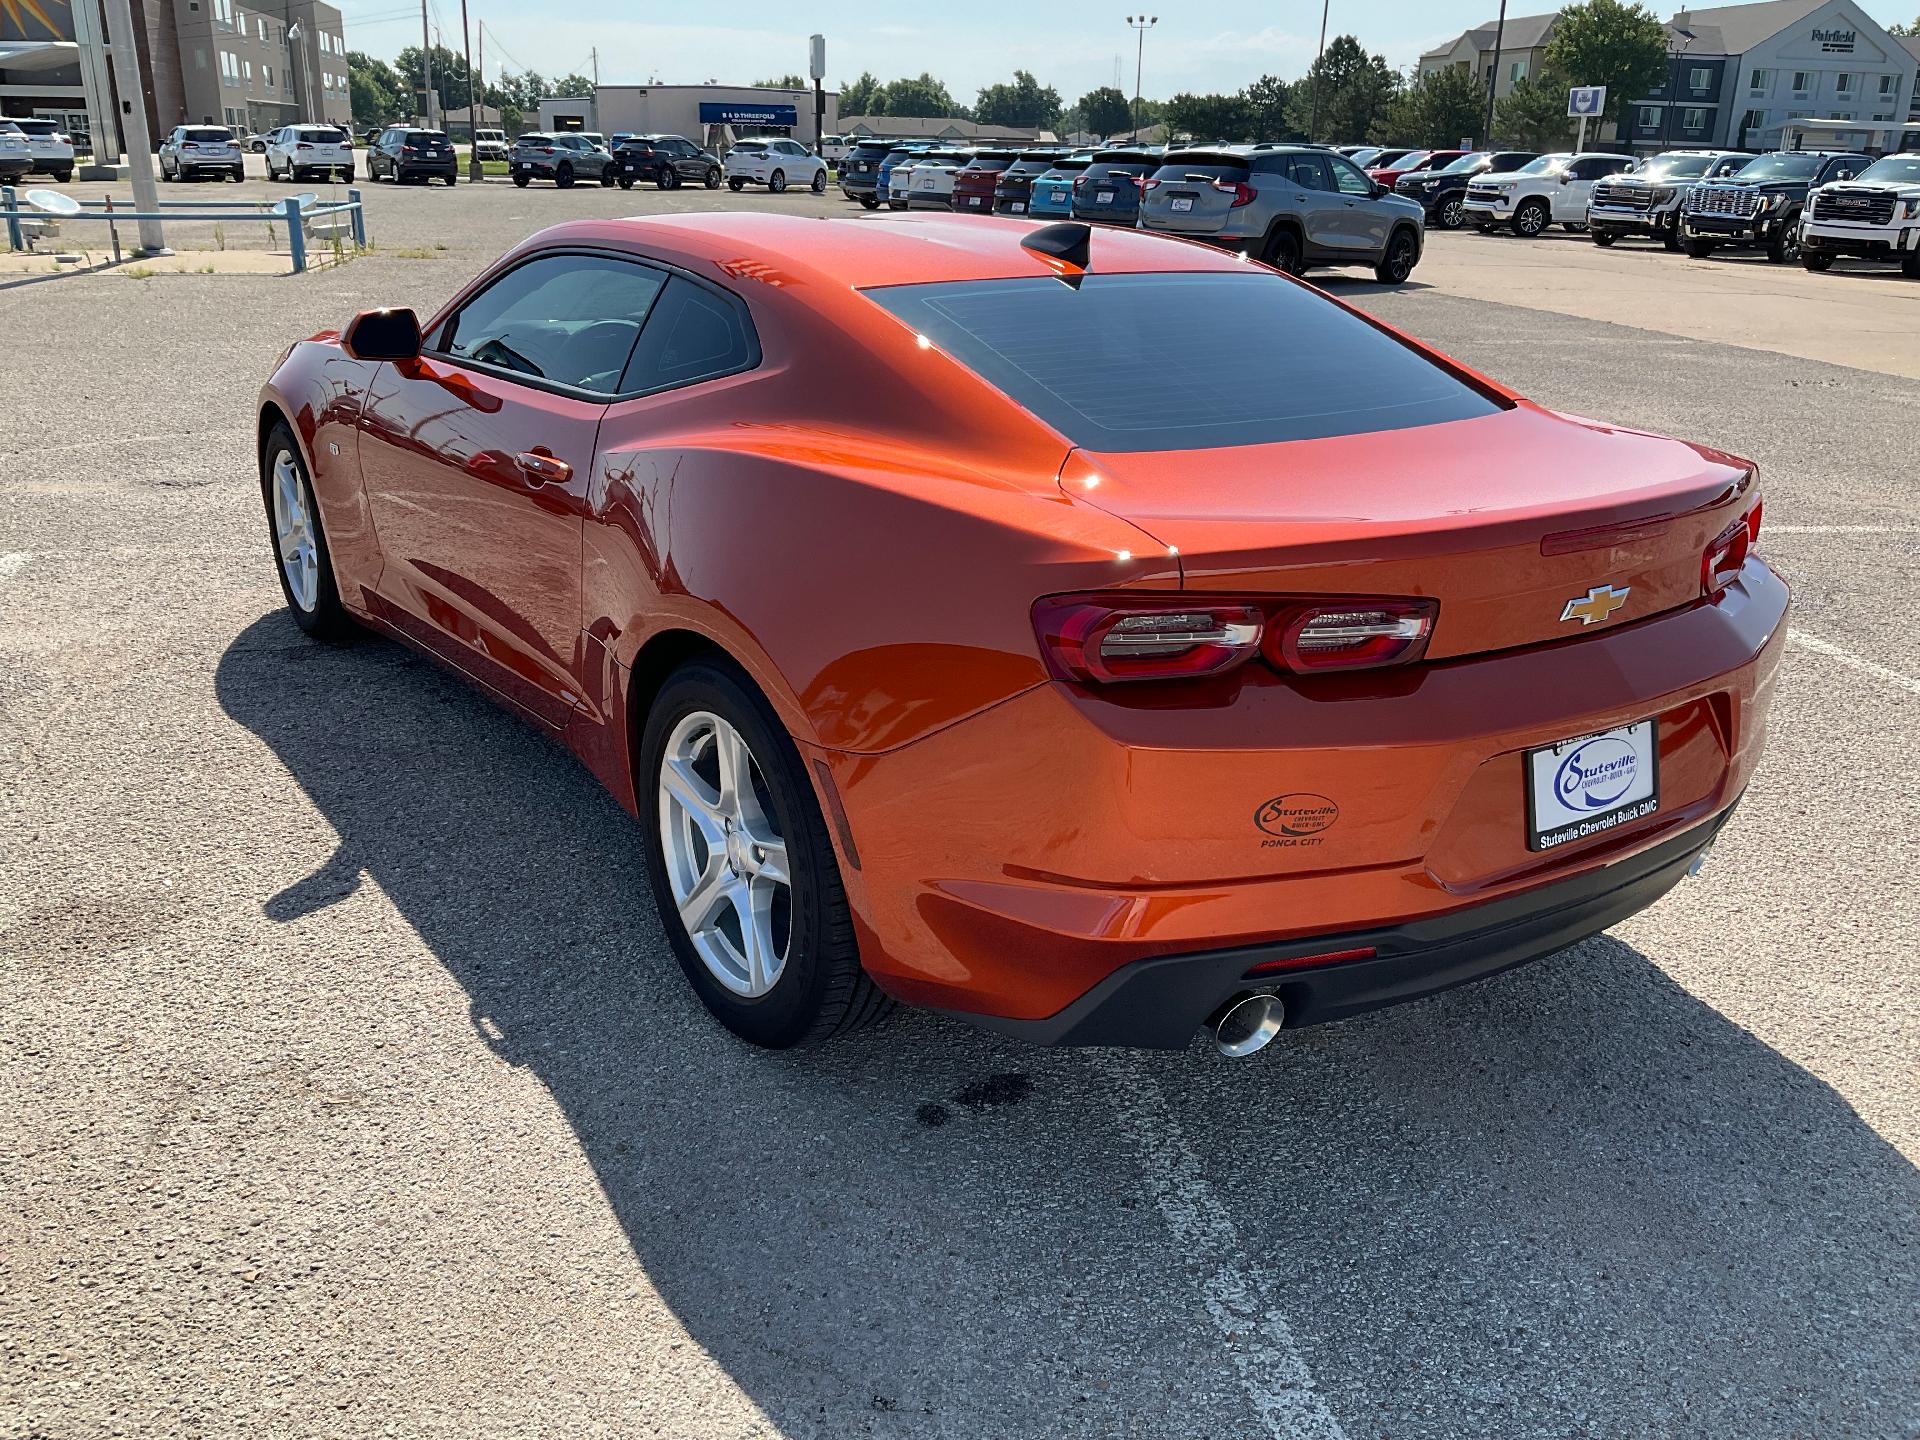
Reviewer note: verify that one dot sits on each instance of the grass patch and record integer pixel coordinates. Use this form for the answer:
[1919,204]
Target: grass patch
[139,272]
[413,252]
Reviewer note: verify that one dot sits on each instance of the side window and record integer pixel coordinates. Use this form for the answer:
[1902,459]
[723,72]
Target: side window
[1346,178]
[567,319]
[693,334]
[1307,172]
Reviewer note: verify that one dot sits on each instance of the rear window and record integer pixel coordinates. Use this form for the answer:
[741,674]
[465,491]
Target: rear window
[204,135]
[37,127]
[429,138]
[1202,166]
[756,147]
[320,135]
[1228,359]
[1100,168]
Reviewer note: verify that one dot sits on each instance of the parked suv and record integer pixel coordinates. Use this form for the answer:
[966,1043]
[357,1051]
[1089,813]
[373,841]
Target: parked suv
[1647,202]
[1053,187]
[667,160]
[490,144]
[1014,189]
[562,157]
[1416,163]
[48,147]
[1441,192]
[932,179]
[1875,216]
[1291,206]
[1761,205]
[860,171]
[297,151]
[191,150]
[401,154]
[1108,191]
[15,159]
[776,164]
[973,186]
[1552,190]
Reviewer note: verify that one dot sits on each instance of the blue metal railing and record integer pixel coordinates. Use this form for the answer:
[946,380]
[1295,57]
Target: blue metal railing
[288,212]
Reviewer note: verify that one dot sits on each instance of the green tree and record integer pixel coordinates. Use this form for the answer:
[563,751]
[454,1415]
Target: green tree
[1025,102]
[521,91]
[449,78]
[1436,111]
[1533,115]
[1344,92]
[574,87]
[1913,29]
[784,82]
[1104,112]
[1211,117]
[1603,42]
[1266,100]
[922,96]
[374,88]
[858,98]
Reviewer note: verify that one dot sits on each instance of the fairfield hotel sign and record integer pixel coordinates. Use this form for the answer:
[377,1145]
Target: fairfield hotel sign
[1834,42]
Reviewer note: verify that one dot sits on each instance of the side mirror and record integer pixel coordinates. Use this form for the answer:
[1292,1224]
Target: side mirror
[383,335]
[1380,190]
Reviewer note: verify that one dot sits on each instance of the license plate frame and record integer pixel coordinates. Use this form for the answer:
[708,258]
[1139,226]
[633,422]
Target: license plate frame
[1103,197]
[1181,204]
[1591,784]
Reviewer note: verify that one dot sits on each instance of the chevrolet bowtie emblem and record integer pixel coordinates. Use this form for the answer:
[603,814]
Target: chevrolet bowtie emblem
[1596,605]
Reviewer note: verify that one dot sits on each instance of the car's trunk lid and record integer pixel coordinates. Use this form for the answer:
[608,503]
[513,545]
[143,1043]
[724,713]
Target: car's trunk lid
[1185,195]
[1505,519]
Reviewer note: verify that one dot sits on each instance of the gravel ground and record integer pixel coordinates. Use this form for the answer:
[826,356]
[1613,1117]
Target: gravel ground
[347,1087]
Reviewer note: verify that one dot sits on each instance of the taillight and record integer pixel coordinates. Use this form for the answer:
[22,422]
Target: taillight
[1145,184]
[1726,556]
[1242,193]
[302,145]
[404,150]
[1128,637]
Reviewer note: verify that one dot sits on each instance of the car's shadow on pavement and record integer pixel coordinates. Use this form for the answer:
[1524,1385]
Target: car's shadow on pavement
[1572,1201]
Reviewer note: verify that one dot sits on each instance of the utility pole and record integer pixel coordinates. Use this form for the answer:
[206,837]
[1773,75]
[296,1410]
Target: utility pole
[473,114]
[1493,76]
[817,67]
[1313,124]
[594,55]
[426,65]
[1141,24]
[133,123]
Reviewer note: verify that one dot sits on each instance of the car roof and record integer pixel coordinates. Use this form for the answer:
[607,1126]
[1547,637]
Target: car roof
[870,251]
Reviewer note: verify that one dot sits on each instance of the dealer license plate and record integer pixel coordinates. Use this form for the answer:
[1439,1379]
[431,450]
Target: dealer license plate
[1017,207]
[1103,197]
[1588,786]
[1183,203]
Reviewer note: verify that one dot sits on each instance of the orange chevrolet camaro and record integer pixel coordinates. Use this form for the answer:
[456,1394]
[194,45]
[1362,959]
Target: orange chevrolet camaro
[1089,634]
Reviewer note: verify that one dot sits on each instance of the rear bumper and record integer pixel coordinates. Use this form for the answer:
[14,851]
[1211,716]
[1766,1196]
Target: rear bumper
[1159,1004]
[1012,863]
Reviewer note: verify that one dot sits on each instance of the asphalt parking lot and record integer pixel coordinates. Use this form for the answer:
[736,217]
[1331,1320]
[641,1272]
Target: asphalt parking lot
[347,1086]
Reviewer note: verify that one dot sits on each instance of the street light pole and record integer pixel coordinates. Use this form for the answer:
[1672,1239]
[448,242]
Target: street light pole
[1313,124]
[426,65]
[1493,76]
[473,115]
[1141,24]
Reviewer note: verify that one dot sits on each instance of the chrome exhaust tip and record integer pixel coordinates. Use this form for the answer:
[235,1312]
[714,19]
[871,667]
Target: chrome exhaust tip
[1247,1024]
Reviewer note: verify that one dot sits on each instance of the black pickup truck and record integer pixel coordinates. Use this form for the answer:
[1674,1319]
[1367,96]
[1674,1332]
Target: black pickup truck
[1761,205]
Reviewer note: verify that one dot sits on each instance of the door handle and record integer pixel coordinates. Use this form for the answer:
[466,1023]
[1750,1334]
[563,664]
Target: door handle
[543,469]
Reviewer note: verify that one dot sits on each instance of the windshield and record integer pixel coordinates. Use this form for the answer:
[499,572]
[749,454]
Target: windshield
[1412,160]
[1545,165]
[1782,167]
[1674,167]
[1894,170]
[1467,164]
[1200,345]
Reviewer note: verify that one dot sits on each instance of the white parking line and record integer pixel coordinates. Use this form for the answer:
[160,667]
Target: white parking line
[1846,657]
[1237,1291]
[12,563]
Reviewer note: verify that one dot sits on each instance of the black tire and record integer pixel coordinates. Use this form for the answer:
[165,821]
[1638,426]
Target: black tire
[1449,216]
[63,177]
[347,175]
[1697,246]
[239,174]
[1604,238]
[713,177]
[1283,251]
[1815,262]
[1403,253]
[1784,246]
[563,177]
[820,182]
[1910,265]
[777,182]
[1670,237]
[869,202]
[736,185]
[626,182]
[669,178]
[521,181]
[1531,220]
[822,991]
[328,619]
[607,178]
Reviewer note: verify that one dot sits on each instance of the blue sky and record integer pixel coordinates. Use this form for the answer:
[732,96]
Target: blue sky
[1220,46]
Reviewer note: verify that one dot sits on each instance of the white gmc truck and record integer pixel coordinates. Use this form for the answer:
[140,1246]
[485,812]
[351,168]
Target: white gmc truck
[1646,204]
[1875,216]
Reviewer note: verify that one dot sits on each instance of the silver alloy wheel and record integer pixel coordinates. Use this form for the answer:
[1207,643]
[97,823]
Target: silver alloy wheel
[293,532]
[726,859]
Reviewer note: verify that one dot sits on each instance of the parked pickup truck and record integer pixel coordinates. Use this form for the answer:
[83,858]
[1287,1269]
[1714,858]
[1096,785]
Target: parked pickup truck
[1875,215]
[1646,204]
[1761,205]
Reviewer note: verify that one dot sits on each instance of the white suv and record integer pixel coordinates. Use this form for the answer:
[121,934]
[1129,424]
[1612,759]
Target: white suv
[49,145]
[297,151]
[200,150]
[1553,190]
[490,144]
[1875,216]
[775,164]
